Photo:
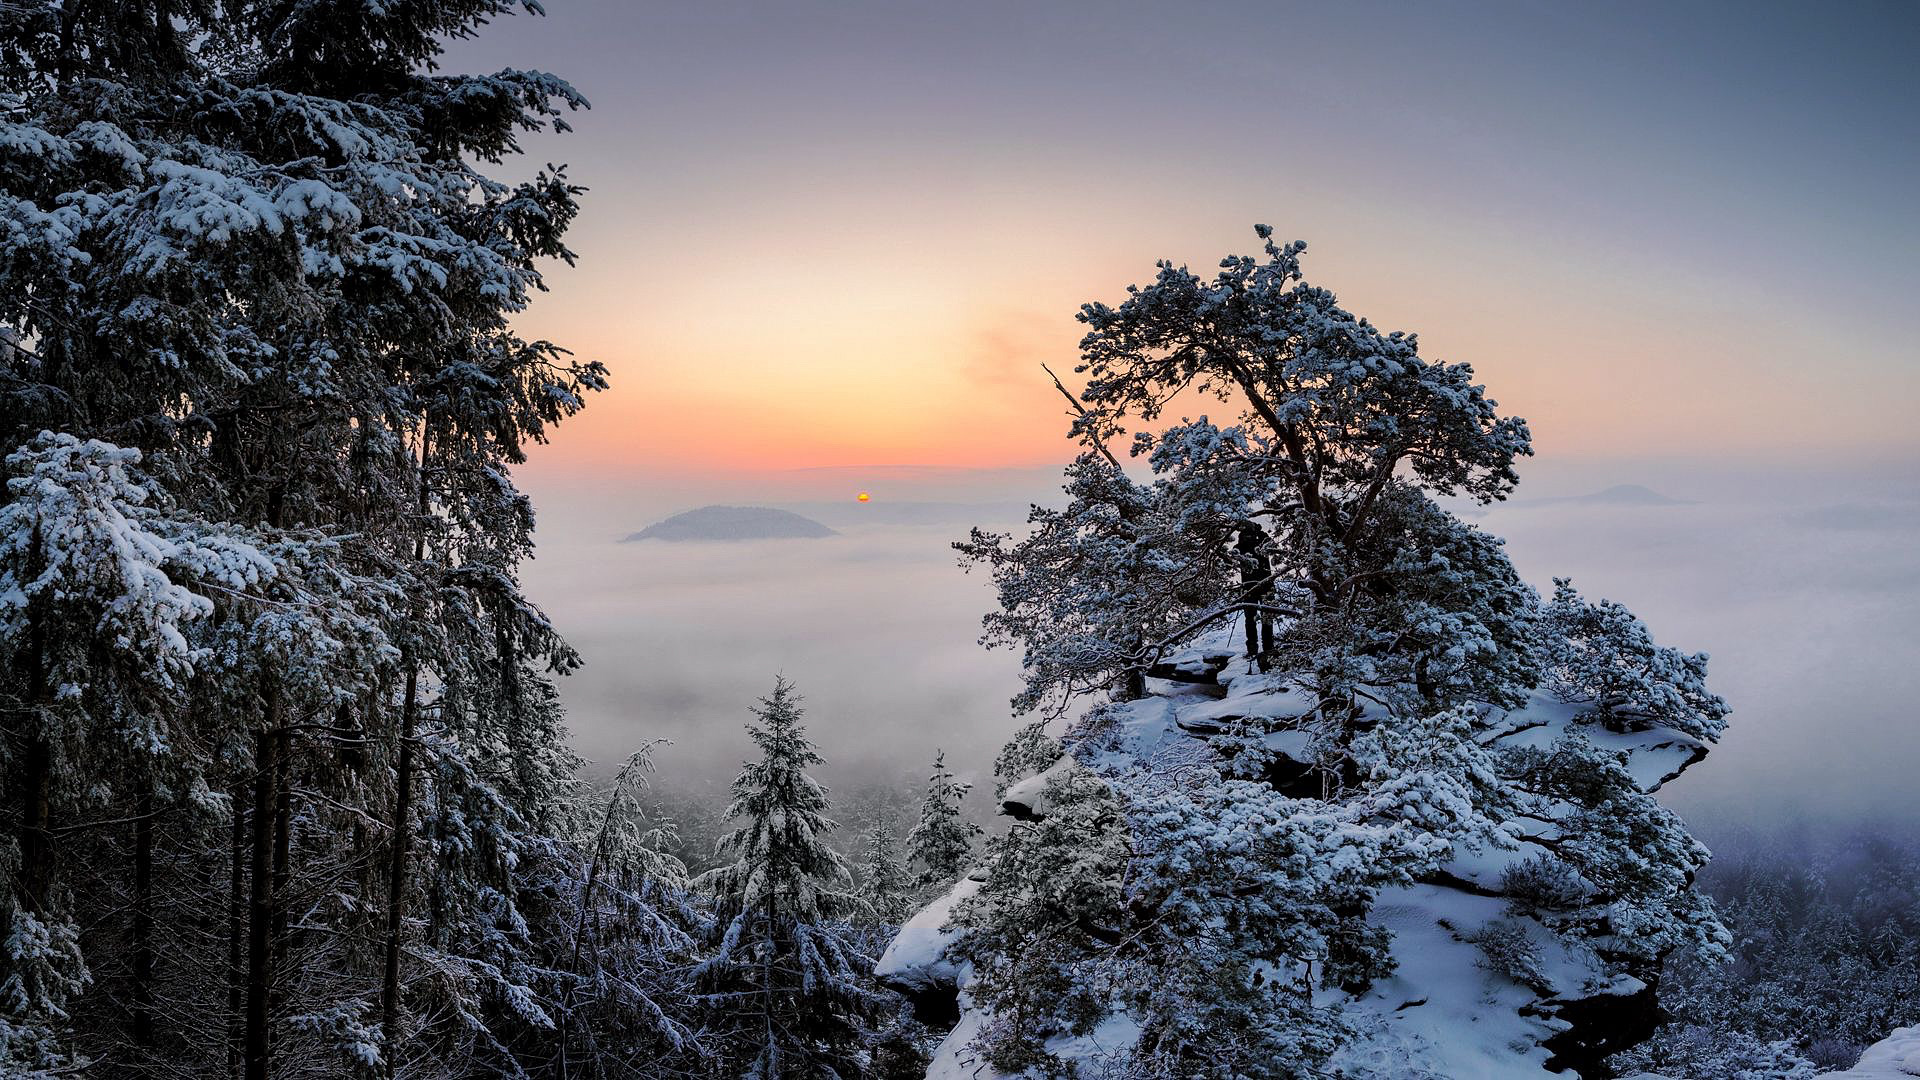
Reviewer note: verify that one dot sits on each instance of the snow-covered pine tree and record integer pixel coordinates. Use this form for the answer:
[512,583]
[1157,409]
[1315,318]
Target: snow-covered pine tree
[1605,659]
[1389,718]
[886,886]
[941,844]
[1029,751]
[257,245]
[1141,564]
[636,931]
[786,975]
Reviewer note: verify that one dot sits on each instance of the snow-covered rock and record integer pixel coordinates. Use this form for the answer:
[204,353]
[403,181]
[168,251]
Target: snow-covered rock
[1442,1013]
[1027,799]
[1896,1057]
[916,959]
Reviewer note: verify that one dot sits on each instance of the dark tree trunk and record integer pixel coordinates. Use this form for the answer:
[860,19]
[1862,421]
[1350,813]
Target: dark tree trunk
[282,857]
[354,759]
[261,914]
[36,775]
[519,744]
[773,949]
[143,916]
[237,932]
[437,888]
[397,872]
[403,794]
[36,823]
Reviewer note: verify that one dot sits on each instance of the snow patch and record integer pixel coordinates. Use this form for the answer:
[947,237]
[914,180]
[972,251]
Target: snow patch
[1896,1057]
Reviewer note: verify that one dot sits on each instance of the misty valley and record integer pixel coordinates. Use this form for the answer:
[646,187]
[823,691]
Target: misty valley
[1273,729]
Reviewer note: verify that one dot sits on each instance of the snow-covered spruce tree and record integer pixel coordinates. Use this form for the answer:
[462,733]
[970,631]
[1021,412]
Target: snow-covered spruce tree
[886,886]
[254,245]
[941,844]
[110,590]
[900,1044]
[1327,698]
[786,979]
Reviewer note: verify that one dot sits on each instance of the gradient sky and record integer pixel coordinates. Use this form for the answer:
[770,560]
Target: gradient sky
[847,234]
[827,246]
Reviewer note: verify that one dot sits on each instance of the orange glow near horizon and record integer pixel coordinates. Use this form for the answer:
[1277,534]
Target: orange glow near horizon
[948,379]
[819,360]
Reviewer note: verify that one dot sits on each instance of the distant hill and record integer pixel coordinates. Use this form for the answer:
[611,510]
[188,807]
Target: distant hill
[733,523]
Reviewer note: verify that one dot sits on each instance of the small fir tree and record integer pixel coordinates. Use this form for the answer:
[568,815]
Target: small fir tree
[886,886]
[787,969]
[942,843]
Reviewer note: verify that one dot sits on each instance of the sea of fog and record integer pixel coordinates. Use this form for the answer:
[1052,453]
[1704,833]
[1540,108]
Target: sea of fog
[1804,585]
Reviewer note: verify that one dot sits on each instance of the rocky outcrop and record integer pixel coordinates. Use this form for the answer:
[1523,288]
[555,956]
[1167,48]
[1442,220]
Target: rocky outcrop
[1444,1012]
[916,963]
[1601,1025]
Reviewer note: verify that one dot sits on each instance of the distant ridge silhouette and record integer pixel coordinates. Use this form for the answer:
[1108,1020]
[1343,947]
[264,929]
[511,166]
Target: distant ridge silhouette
[709,523]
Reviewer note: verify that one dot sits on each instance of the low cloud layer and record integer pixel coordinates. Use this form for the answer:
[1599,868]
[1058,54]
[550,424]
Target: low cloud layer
[877,626]
[1805,588]
[1812,617]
